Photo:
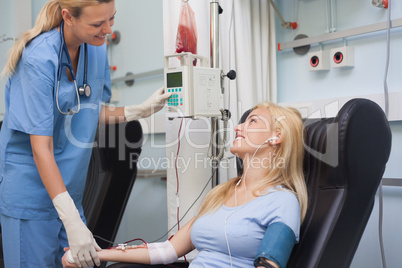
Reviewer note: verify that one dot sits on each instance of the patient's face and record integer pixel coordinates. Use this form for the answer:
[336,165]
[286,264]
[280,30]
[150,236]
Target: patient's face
[253,133]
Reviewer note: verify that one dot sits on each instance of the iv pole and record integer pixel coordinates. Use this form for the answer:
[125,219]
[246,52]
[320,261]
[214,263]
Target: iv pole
[214,59]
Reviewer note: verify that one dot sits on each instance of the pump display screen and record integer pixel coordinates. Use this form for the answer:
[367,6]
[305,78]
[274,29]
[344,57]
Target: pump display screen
[174,80]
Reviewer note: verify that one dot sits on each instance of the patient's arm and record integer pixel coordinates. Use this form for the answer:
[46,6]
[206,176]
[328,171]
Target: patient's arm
[136,255]
[181,243]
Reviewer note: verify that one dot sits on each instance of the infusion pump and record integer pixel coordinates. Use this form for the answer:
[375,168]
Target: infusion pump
[196,90]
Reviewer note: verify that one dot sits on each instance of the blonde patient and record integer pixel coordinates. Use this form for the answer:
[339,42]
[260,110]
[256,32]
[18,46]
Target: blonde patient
[239,219]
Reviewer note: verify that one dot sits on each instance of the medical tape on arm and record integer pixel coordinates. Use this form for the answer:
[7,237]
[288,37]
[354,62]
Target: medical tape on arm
[162,253]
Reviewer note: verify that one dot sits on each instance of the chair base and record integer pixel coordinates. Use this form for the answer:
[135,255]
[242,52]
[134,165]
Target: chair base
[134,265]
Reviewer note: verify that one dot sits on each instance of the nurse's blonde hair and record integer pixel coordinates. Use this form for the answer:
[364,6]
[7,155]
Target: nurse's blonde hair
[288,122]
[48,18]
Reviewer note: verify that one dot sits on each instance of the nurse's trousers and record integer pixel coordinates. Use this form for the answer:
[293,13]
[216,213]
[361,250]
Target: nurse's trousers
[33,243]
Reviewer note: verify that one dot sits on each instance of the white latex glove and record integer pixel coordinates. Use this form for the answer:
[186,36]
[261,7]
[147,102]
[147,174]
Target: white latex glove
[83,246]
[152,105]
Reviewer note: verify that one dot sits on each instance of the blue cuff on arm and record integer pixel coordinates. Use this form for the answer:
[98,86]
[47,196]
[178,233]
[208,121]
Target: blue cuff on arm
[277,244]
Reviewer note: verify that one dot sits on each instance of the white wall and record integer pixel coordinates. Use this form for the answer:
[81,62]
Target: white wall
[139,51]
[296,84]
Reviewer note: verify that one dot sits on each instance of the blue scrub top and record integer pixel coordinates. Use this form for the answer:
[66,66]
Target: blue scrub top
[30,99]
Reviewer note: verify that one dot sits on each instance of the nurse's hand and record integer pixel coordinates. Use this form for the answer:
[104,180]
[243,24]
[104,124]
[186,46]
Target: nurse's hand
[82,244]
[152,105]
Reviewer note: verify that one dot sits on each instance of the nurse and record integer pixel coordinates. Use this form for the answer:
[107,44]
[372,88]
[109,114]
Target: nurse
[48,129]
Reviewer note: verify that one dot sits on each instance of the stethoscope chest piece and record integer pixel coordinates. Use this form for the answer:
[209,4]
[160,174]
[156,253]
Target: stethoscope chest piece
[85,89]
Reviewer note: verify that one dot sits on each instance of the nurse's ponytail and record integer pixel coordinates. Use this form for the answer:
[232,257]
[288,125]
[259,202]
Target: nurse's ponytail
[48,18]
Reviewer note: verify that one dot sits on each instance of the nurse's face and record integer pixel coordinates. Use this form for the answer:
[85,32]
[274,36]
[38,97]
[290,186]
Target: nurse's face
[95,23]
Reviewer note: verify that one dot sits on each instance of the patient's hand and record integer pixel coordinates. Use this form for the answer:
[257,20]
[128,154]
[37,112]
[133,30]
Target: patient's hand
[65,262]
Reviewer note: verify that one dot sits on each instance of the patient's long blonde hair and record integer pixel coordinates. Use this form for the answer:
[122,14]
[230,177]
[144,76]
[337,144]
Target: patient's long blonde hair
[289,123]
[48,18]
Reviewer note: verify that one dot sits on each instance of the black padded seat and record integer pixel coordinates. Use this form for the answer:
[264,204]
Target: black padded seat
[342,189]
[110,179]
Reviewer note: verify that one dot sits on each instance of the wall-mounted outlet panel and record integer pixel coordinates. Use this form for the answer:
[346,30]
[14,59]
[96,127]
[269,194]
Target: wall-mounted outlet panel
[342,57]
[318,61]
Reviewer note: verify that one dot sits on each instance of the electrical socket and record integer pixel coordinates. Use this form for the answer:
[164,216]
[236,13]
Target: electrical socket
[342,57]
[318,61]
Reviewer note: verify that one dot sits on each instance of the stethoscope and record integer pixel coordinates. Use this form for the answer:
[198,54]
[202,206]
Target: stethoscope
[85,88]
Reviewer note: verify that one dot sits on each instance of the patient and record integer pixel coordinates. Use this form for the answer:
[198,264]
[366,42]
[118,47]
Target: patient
[252,220]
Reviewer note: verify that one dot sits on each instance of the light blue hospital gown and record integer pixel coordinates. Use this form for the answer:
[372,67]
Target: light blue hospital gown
[30,99]
[245,229]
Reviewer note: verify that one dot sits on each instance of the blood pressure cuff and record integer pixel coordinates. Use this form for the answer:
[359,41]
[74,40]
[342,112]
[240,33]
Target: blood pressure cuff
[277,244]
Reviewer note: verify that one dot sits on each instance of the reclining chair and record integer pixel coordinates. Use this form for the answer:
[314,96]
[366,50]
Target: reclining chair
[341,196]
[344,162]
[111,175]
